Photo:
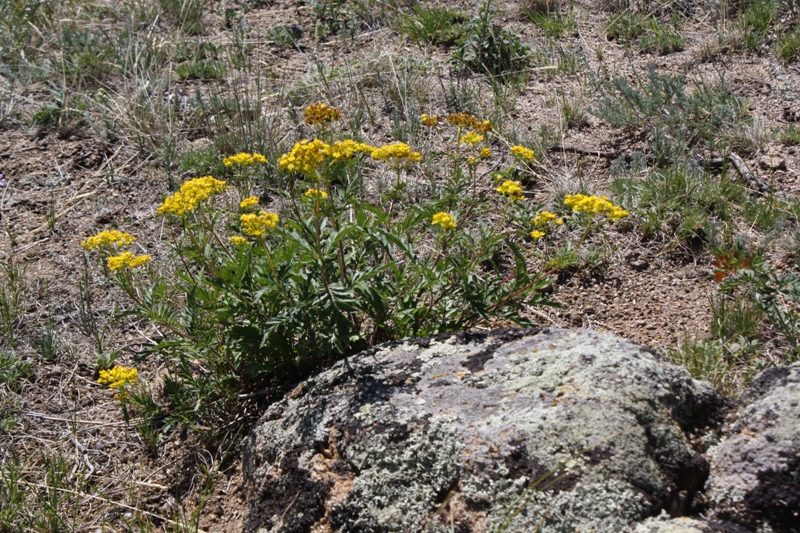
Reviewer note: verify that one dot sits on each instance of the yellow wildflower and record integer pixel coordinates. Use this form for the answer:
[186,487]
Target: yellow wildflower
[250,201]
[191,194]
[127,260]
[430,121]
[237,240]
[257,224]
[305,156]
[616,213]
[348,148]
[243,159]
[321,114]
[461,120]
[446,220]
[312,193]
[536,235]
[498,177]
[522,153]
[482,126]
[594,205]
[485,153]
[465,120]
[512,189]
[106,239]
[472,138]
[396,153]
[119,378]
[545,217]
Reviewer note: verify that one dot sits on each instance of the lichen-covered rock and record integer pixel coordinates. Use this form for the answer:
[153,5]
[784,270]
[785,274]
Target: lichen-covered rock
[665,524]
[755,476]
[555,429]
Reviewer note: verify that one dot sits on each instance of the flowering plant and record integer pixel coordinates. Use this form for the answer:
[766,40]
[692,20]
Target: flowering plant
[269,289]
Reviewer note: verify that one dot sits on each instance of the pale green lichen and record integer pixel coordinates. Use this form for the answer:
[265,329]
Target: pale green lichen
[604,507]
[399,481]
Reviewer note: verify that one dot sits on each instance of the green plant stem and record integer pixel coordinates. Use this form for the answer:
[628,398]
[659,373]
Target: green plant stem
[274,269]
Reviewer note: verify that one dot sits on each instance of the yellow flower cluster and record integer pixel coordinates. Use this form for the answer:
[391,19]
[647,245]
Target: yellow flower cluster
[108,239]
[257,224]
[127,260]
[119,378]
[483,126]
[594,205]
[512,189]
[545,217]
[472,138]
[191,194]
[321,114]
[465,120]
[430,121]
[446,220]
[525,154]
[536,234]
[348,148]
[305,156]
[237,240]
[249,202]
[484,153]
[243,159]
[397,152]
[316,193]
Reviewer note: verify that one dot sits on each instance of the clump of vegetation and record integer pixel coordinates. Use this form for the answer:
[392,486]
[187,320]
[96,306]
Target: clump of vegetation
[679,202]
[681,121]
[756,20]
[285,35]
[490,50]
[553,24]
[269,293]
[648,33]
[187,15]
[788,46]
[200,70]
[436,25]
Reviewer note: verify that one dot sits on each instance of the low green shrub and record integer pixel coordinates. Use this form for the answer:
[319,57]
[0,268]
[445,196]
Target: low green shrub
[788,46]
[790,135]
[284,35]
[681,121]
[775,293]
[756,21]
[200,70]
[437,25]
[553,24]
[264,297]
[679,202]
[87,57]
[13,371]
[488,49]
[187,15]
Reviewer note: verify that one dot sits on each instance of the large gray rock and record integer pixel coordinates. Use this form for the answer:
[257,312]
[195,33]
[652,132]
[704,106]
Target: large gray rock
[755,477]
[665,524]
[465,429]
